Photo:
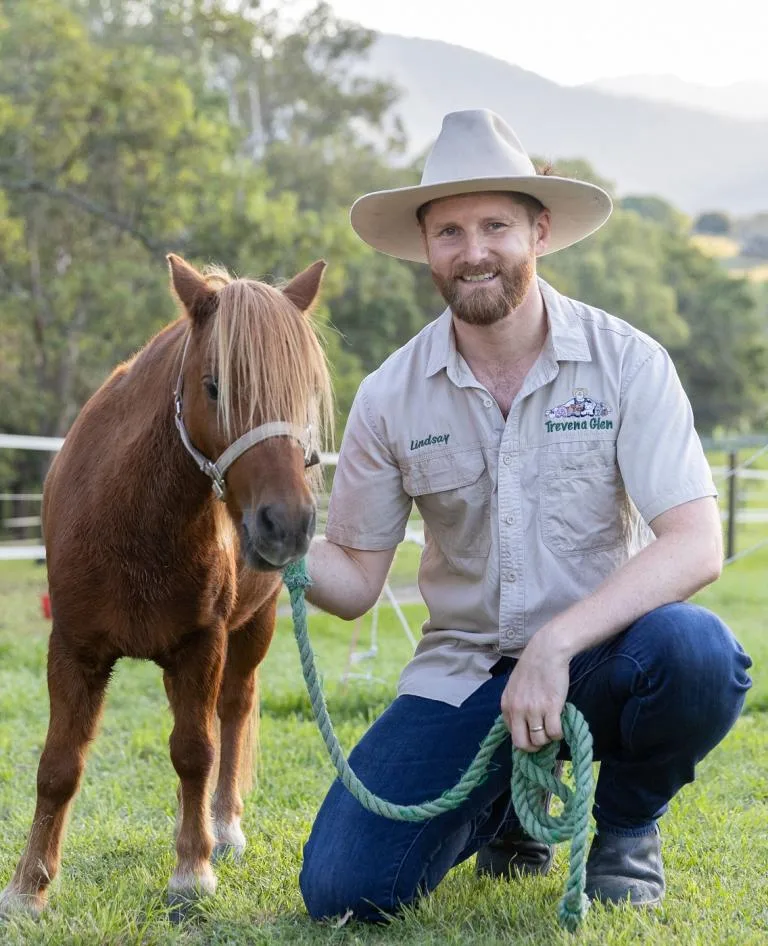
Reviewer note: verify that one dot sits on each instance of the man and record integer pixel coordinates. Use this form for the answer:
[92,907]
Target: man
[539,437]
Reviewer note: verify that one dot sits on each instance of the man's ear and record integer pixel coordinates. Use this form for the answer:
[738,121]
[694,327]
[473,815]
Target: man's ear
[542,230]
[191,289]
[302,290]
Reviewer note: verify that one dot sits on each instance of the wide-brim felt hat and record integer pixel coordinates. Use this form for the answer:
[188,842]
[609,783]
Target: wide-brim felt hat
[477,151]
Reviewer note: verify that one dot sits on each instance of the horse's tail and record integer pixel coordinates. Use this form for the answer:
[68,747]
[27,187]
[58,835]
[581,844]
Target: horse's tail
[249,754]
[249,750]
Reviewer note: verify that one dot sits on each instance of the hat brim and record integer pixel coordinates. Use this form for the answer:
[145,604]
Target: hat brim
[386,220]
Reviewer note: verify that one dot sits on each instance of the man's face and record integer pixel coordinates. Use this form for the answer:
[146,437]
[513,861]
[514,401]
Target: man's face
[482,253]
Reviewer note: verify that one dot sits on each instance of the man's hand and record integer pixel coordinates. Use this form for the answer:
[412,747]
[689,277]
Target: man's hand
[535,695]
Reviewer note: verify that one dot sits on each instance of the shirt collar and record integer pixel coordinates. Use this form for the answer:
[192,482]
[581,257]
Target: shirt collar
[443,344]
[566,333]
[565,337]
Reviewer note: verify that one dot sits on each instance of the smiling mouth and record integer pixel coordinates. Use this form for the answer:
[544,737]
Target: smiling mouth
[478,280]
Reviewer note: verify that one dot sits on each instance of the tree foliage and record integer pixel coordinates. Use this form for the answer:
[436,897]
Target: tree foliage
[715,222]
[130,128]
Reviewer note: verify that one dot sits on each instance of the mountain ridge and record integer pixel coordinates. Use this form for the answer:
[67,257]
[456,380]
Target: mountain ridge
[696,160]
[746,101]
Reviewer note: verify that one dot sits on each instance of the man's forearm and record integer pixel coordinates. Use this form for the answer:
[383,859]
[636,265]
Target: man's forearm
[345,582]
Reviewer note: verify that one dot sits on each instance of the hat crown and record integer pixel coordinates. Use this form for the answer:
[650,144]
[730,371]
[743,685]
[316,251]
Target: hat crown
[475,143]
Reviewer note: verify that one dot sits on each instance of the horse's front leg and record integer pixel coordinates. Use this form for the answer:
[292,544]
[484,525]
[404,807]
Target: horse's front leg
[193,677]
[76,692]
[246,649]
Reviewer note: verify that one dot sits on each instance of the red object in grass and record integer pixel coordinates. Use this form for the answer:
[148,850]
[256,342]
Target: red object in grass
[46,602]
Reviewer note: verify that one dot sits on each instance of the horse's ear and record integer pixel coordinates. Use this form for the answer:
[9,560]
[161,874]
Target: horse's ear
[190,287]
[302,289]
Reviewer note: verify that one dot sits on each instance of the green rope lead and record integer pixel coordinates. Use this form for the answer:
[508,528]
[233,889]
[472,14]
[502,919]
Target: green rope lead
[532,773]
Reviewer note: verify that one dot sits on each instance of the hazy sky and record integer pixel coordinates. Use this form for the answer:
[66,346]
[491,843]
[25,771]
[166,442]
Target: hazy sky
[571,41]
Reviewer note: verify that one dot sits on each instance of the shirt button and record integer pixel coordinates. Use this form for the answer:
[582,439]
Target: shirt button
[507,458]
[509,520]
[487,402]
[511,576]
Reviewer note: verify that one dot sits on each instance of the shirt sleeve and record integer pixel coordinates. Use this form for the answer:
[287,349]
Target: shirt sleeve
[368,508]
[659,452]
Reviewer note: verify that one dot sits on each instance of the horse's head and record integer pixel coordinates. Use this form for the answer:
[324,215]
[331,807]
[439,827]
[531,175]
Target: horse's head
[253,366]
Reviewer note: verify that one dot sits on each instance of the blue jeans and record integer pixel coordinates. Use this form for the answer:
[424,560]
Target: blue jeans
[658,697]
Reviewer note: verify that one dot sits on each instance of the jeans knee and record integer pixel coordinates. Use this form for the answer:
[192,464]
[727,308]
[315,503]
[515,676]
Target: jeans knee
[693,653]
[692,639]
[318,898]
[331,889]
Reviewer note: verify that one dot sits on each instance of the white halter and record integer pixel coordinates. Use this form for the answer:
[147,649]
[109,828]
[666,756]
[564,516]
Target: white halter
[216,471]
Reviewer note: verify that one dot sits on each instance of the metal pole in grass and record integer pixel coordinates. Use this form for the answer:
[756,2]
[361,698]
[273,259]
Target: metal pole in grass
[733,457]
[532,773]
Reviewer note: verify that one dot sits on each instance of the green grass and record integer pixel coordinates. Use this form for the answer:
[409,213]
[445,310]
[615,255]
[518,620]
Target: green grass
[118,854]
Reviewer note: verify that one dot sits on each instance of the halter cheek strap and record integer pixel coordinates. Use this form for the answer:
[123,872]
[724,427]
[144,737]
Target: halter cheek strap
[216,470]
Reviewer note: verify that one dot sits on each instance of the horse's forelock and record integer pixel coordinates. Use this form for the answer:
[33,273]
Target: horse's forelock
[261,344]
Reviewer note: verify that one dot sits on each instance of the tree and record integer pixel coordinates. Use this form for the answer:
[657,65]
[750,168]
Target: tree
[655,209]
[647,272]
[714,222]
[107,161]
[724,363]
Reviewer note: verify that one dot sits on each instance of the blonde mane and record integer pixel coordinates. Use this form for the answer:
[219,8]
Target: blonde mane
[268,360]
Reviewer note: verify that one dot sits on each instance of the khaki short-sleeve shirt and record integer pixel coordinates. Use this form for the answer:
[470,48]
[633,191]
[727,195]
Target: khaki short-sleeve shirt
[523,516]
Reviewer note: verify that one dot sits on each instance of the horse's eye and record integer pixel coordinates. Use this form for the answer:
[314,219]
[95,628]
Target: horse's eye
[212,388]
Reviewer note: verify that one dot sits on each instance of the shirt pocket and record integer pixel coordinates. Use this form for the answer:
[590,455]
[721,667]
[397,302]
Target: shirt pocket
[582,501]
[453,495]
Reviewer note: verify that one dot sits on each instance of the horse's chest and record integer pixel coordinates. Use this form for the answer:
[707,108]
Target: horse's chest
[254,589]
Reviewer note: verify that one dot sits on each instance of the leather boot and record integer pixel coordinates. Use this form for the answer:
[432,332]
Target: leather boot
[515,853]
[621,869]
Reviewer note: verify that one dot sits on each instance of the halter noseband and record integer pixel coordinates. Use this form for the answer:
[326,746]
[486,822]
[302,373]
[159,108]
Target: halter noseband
[217,470]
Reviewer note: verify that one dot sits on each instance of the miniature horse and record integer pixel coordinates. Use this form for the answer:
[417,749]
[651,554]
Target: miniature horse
[145,561]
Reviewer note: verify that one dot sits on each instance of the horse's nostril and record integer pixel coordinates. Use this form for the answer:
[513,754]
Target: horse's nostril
[279,532]
[266,522]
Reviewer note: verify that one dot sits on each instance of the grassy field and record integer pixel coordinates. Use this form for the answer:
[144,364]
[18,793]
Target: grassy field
[727,250]
[118,854]
[719,247]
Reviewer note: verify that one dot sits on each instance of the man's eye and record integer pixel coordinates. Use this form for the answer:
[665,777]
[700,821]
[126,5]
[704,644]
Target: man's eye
[211,388]
[448,231]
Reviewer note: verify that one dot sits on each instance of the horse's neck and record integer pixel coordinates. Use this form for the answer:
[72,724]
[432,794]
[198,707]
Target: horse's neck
[163,476]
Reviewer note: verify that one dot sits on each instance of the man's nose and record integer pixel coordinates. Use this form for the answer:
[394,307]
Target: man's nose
[475,249]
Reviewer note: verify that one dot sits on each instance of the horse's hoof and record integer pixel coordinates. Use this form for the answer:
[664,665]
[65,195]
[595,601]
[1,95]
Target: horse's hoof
[230,842]
[13,903]
[185,889]
[179,908]
[227,852]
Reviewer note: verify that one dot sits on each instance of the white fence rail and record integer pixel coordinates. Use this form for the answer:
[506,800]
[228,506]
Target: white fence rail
[729,474]
[49,445]
[22,442]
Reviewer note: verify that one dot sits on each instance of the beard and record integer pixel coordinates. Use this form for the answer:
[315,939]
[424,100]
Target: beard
[478,304]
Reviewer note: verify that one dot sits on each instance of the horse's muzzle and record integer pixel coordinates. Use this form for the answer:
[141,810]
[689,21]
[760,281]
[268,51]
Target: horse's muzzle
[275,534]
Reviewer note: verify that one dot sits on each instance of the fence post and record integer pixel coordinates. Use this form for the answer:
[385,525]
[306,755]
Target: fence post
[731,543]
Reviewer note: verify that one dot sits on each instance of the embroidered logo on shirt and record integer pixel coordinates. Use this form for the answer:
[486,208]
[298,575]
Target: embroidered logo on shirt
[580,412]
[428,441]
